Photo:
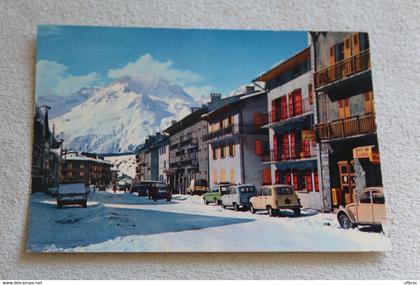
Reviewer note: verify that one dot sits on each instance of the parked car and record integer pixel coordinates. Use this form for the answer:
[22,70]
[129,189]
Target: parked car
[72,193]
[238,196]
[143,187]
[197,186]
[274,198]
[160,191]
[369,209]
[121,185]
[215,194]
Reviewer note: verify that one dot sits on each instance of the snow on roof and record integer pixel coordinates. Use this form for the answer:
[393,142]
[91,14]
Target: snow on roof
[79,157]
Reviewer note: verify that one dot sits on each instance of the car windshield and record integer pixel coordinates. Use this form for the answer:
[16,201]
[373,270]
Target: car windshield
[215,189]
[162,189]
[224,189]
[201,182]
[284,190]
[248,189]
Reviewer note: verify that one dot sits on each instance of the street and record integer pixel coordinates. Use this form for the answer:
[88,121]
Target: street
[128,223]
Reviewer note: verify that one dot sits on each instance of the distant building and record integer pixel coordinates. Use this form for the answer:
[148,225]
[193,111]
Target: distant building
[234,137]
[45,154]
[346,128]
[147,158]
[187,151]
[163,150]
[290,119]
[90,169]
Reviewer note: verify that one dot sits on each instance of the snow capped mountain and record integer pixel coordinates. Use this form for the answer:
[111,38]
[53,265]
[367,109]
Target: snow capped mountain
[62,104]
[119,116]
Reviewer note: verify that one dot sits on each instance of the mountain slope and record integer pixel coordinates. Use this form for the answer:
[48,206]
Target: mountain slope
[119,116]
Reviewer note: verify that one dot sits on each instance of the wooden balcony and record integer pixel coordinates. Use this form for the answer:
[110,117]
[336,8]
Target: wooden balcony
[342,69]
[343,128]
[293,152]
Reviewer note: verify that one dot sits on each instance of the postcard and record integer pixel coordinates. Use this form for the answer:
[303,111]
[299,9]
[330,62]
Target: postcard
[195,140]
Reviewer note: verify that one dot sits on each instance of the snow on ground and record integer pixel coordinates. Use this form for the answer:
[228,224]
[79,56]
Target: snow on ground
[125,163]
[128,223]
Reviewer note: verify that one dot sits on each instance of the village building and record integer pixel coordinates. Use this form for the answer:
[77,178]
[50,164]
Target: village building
[46,153]
[147,157]
[187,151]
[163,152]
[91,169]
[234,138]
[293,149]
[346,128]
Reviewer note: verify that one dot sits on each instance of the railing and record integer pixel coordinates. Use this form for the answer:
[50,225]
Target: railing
[342,69]
[346,127]
[189,141]
[292,152]
[277,115]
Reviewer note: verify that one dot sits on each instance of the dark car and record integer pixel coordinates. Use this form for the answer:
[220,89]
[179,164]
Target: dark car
[159,191]
[143,187]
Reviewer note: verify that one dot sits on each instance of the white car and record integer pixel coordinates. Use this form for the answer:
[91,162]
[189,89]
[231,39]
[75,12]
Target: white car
[72,193]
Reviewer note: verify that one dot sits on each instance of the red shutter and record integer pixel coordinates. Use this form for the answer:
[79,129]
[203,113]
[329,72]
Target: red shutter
[273,111]
[295,180]
[298,102]
[266,176]
[292,145]
[316,180]
[310,94]
[306,148]
[309,180]
[283,106]
[291,105]
[259,147]
[285,154]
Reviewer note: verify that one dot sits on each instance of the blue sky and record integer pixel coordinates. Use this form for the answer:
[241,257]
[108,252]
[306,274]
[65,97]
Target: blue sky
[201,61]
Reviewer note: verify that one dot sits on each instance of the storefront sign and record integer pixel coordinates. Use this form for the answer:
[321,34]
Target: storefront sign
[366,152]
[308,135]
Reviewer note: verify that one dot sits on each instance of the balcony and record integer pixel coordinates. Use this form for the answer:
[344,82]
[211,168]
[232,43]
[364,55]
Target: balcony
[297,152]
[344,128]
[342,69]
[232,129]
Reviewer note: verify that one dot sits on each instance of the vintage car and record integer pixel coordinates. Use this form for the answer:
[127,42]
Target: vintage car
[160,191]
[215,193]
[197,186]
[369,209]
[274,198]
[238,196]
[72,193]
[142,188]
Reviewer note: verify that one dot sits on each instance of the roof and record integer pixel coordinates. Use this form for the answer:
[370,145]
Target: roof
[191,119]
[78,157]
[239,99]
[286,65]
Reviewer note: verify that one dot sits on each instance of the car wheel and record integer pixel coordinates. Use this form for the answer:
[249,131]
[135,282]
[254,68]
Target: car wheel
[270,211]
[297,212]
[205,201]
[84,204]
[168,199]
[235,207]
[223,206]
[216,201]
[251,209]
[345,222]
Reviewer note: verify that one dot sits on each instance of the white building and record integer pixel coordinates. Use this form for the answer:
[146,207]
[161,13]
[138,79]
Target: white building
[233,138]
[163,151]
[290,119]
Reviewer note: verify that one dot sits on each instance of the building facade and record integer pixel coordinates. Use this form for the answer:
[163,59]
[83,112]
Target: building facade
[147,158]
[188,154]
[90,169]
[233,139]
[46,153]
[163,152]
[346,128]
[290,120]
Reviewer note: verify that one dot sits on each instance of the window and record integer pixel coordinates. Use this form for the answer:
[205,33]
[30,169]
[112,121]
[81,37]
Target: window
[339,52]
[266,176]
[316,181]
[308,178]
[378,198]
[214,176]
[231,120]
[222,152]
[82,173]
[223,175]
[365,198]
[221,124]
[264,191]
[231,150]
[369,107]
[82,166]
[214,150]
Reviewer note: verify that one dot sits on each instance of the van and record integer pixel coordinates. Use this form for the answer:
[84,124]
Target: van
[197,186]
[72,193]
[238,196]
[274,198]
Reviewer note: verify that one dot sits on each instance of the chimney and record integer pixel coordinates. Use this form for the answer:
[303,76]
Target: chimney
[249,89]
[215,97]
[173,122]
